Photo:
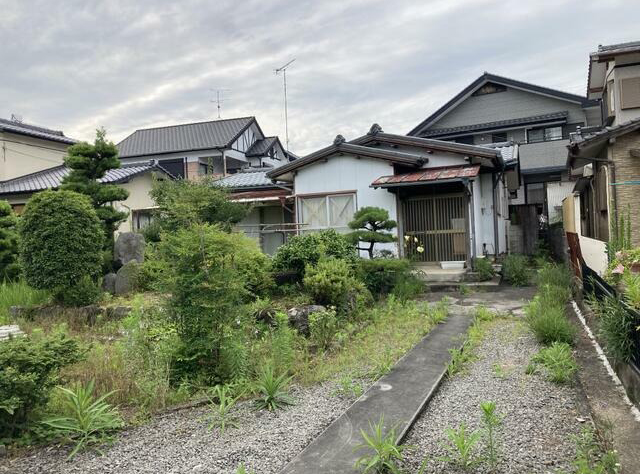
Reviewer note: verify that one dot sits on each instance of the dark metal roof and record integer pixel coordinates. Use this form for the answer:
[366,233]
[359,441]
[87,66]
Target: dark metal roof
[488,77]
[185,137]
[261,147]
[555,116]
[51,178]
[427,176]
[20,128]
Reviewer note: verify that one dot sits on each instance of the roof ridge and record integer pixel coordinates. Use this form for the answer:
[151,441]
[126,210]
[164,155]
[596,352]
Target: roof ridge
[490,74]
[32,126]
[193,123]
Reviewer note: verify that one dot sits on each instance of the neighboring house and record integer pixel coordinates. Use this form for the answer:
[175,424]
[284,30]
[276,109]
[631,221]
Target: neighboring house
[272,217]
[193,150]
[136,178]
[441,193]
[28,148]
[606,160]
[495,109]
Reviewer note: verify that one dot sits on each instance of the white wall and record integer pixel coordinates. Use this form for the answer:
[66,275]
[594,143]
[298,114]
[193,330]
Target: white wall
[139,198]
[556,193]
[20,155]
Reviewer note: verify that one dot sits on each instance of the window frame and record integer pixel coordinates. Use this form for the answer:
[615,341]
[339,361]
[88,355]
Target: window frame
[544,130]
[326,196]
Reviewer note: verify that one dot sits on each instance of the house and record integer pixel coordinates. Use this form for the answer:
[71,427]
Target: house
[442,194]
[135,178]
[496,109]
[606,160]
[213,148]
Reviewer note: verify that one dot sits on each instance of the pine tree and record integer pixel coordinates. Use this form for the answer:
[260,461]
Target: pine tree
[369,224]
[9,266]
[89,163]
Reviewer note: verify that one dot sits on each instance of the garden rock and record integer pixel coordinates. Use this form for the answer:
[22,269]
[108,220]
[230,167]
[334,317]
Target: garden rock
[3,450]
[126,278]
[109,283]
[117,312]
[299,316]
[129,247]
[10,331]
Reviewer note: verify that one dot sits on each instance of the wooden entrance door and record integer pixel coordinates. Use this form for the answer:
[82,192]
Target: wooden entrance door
[439,224]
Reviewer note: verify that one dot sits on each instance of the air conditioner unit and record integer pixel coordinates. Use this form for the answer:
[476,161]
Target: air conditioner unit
[587,171]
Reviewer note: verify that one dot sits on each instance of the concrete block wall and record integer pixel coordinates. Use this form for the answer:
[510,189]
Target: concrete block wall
[627,169]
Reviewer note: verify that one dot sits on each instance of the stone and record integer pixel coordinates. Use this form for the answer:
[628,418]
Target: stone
[299,317]
[129,247]
[109,283]
[126,278]
[7,332]
[118,312]
[3,450]
[89,313]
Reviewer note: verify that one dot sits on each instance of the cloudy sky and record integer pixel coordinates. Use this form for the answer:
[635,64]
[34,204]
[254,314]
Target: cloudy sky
[126,65]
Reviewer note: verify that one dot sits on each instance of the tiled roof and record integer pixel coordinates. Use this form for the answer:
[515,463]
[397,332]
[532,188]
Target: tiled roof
[508,150]
[427,175]
[51,178]
[34,131]
[261,147]
[585,139]
[497,124]
[251,178]
[619,47]
[186,137]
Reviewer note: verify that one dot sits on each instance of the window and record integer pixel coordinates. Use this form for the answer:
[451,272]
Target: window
[498,137]
[467,140]
[630,93]
[333,211]
[612,98]
[141,219]
[545,134]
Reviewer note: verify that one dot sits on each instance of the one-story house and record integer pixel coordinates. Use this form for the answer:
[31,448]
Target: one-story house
[451,199]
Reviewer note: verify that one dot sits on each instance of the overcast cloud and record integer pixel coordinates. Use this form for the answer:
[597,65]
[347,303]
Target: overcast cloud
[77,65]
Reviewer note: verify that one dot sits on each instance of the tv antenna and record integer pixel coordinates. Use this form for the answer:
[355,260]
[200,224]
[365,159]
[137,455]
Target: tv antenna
[219,99]
[283,69]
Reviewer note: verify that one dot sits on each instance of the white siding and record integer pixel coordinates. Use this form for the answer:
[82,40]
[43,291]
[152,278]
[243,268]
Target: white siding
[556,192]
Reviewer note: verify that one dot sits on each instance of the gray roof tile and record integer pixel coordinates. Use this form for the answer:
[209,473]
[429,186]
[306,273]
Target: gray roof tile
[260,147]
[34,131]
[186,137]
[251,178]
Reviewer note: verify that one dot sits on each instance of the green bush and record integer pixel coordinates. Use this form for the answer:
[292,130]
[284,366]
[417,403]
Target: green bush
[330,282]
[408,286]
[483,268]
[558,361]
[516,270]
[371,225]
[381,275]
[617,326]
[19,294]
[554,275]
[9,266]
[29,369]
[323,326]
[83,293]
[61,241]
[549,322]
[307,249]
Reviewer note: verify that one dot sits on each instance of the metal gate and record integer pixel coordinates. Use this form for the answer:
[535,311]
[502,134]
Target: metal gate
[437,225]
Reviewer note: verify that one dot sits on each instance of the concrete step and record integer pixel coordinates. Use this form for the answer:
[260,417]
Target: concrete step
[400,396]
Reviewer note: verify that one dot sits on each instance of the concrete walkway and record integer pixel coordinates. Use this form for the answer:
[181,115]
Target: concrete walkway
[400,396]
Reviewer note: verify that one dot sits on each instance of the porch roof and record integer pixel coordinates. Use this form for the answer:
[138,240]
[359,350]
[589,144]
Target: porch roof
[427,176]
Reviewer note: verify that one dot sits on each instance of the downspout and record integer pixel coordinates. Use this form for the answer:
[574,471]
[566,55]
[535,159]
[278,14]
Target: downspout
[224,163]
[472,249]
[496,239]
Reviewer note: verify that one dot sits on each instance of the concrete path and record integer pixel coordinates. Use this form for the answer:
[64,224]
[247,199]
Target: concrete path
[400,396]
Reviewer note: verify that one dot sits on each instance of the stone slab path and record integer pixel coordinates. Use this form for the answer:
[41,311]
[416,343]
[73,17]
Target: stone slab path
[400,396]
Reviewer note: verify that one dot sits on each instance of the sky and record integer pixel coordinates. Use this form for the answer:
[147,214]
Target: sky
[77,66]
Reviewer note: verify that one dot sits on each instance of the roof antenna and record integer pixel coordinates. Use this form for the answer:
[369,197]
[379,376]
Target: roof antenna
[283,69]
[16,118]
[219,99]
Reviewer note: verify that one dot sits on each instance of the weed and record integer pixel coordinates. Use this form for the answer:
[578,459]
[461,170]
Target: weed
[270,389]
[384,453]
[460,357]
[483,268]
[465,290]
[499,371]
[243,470]
[617,327]
[558,361]
[594,455]
[221,403]
[347,387]
[491,421]
[19,294]
[323,326]
[461,447]
[549,323]
[515,270]
[89,419]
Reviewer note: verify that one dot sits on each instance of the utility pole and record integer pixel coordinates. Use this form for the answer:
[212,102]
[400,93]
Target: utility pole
[219,99]
[283,69]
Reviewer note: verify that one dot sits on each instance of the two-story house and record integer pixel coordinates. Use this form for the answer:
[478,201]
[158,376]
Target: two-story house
[495,109]
[606,160]
[193,150]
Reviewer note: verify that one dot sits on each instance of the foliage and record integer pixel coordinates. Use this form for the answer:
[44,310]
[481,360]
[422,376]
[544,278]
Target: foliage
[461,356]
[483,268]
[270,389]
[323,326]
[348,387]
[461,446]
[491,421]
[330,282]
[88,164]
[9,266]
[549,323]
[620,238]
[515,270]
[382,275]
[243,470]
[182,203]
[558,361]
[594,454]
[371,225]
[617,326]
[60,241]
[383,451]
[221,403]
[623,262]
[631,292]
[29,369]
[408,287]
[18,293]
[82,293]
[307,249]
[88,419]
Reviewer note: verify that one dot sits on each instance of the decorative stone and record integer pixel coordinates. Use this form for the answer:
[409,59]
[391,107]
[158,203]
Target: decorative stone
[3,450]
[129,247]
[109,283]
[299,317]
[10,331]
[118,312]
[126,278]
[89,313]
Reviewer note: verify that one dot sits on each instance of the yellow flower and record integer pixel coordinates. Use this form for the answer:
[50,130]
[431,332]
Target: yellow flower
[420,249]
[407,237]
[415,239]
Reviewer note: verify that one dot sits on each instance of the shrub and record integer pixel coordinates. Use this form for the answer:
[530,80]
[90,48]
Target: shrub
[554,275]
[29,369]
[307,249]
[83,293]
[329,282]
[323,326]
[381,275]
[483,268]
[617,327]
[549,323]
[407,287]
[371,225]
[558,361]
[61,241]
[9,266]
[515,270]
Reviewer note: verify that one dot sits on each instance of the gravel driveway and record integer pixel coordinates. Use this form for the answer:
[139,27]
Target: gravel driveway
[539,417]
[180,442]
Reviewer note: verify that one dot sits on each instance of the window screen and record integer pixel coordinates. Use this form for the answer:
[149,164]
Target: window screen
[341,209]
[314,212]
[630,93]
[332,211]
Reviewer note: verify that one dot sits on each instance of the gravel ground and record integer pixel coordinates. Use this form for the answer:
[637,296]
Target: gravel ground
[180,442]
[539,417]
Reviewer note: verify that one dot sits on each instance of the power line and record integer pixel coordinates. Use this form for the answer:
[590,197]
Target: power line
[283,69]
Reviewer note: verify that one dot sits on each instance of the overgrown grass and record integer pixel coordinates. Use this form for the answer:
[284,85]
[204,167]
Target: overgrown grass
[19,294]
[516,270]
[558,362]
[462,356]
